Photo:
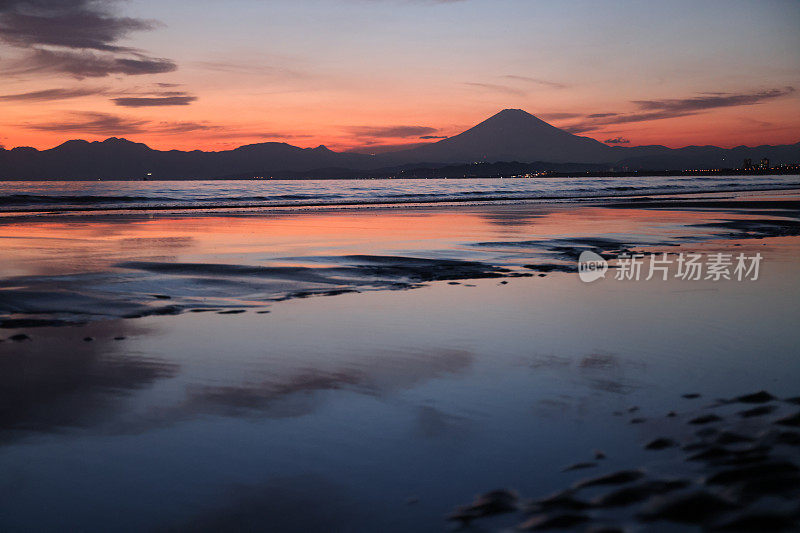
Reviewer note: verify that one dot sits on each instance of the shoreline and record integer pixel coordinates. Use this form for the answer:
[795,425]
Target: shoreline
[212,282]
[257,209]
[536,172]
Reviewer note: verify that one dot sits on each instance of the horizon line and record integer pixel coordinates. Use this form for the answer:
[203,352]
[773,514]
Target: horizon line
[399,149]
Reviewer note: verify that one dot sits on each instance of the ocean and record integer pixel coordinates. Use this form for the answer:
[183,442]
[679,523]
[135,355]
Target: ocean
[22,196]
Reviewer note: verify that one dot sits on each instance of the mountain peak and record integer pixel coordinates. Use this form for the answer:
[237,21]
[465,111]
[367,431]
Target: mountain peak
[122,145]
[513,112]
[517,116]
[73,143]
[117,140]
[514,135]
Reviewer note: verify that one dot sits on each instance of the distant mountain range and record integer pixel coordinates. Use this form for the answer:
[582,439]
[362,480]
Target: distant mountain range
[511,135]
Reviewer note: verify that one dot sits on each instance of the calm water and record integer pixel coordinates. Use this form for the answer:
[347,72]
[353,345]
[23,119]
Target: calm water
[371,411]
[56,195]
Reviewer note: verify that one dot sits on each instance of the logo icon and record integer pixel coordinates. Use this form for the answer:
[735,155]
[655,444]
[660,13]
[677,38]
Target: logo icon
[591,266]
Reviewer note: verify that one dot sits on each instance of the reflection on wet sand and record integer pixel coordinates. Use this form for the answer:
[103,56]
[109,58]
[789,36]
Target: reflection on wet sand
[76,271]
[54,381]
[298,391]
[51,383]
[330,413]
[433,423]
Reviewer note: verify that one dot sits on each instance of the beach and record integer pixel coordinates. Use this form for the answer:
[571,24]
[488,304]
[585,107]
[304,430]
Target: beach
[360,367]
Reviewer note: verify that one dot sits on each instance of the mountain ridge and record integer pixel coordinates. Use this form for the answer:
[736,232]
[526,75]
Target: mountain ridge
[511,135]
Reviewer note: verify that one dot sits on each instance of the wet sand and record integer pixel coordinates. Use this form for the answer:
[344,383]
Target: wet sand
[375,370]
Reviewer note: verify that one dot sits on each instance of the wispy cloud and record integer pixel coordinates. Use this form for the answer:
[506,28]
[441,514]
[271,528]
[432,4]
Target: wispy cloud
[122,98]
[595,124]
[382,132]
[677,107]
[78,24]
[712,100]
[536,81]
[375,147]
[617,140]
[108,124]
[52,94]
[182,127]
[253,68]
[558,116]
[516,85]
[94,123]
[75,37]
[496,87]
[378,139]
[87,64]
[226,133]
[154,101]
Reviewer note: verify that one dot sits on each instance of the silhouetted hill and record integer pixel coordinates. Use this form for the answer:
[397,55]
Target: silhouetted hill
[509,136]
[703,157]
[120,158]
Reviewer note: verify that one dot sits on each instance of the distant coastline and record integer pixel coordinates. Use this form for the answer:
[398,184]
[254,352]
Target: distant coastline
[500,170]
[510,143]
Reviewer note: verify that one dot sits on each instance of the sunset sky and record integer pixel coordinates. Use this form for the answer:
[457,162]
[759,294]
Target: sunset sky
[372,74]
